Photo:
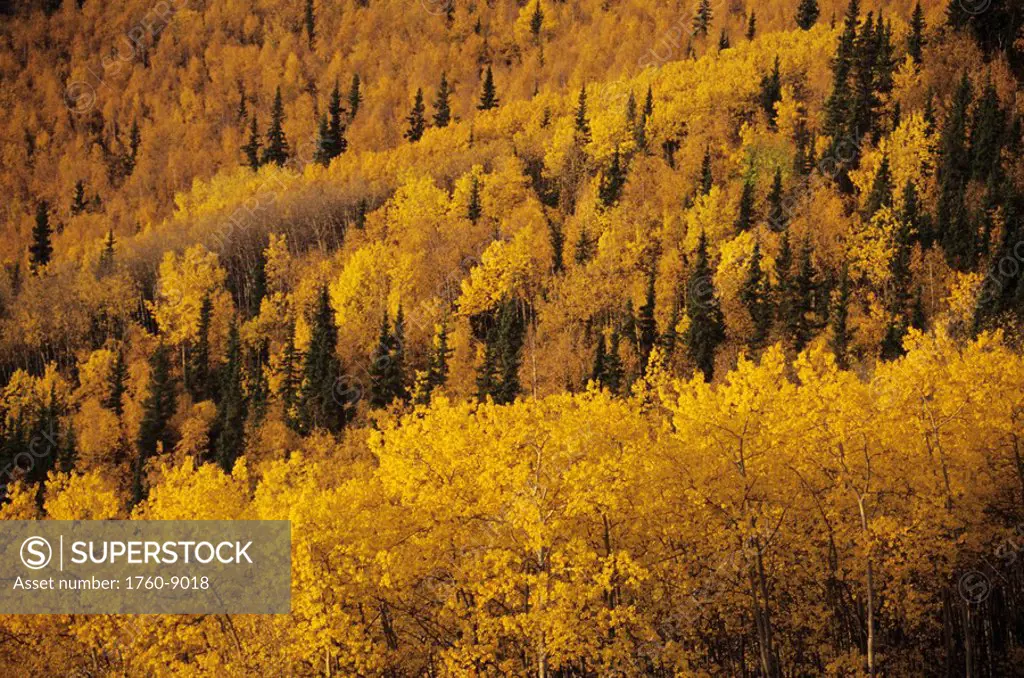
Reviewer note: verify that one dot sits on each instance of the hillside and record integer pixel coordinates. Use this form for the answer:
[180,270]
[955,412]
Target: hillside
[574,337]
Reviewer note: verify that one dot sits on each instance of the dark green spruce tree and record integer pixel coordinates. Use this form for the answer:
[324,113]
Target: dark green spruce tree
[117,384]
[771,92]
[707,325]
[488,92]
[355,97]
[707,178]
[646,324]
[840,339]
[442,103]
[198,377]
[756,297]
[157,410]
[954,171]
[582,122]
[416,120]
[807,13]
[310,24]
[229,443]
[252,147]
[881,189]
[78,203]
[474,208]
[745,215]
[778,219]
[387,368]
[41,249]
[276,150]
[613,180]
[321,401]
[702,19]
[916,41]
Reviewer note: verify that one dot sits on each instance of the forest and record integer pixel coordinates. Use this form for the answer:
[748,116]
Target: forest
[574,337]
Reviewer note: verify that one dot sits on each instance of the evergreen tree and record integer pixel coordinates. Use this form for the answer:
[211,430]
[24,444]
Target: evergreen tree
[437,362]
[597,374]
[631,111]
[536,22]
[41,249]
[252,147]
[745,217]
[336,144]
[751,26]
[582,124]
[987,134]
[584,247]
[771,92]
[106,261]
[803,160]
[916,41]
[929,113]
[955,232]
[157,410]
[499,374]
[613,372]
[198,377]
[702,20]
[801,326]
[612,181]
[117,383]
[839,104]
[892,341]
[231,408]
[899,265]
[242,112]
[417,123]
[557,239]
[355,97]
[755,295]
[640,130]
[134,141]
[488,93]
[387,370]
[723,40]
[885,56]
[474,209]
[322,154]
[840,315]
[276,150]
[707,325]
[646,325]
[881,189]
[807,14]
[707,179]
[864,111]
[310,22]
[442,107]
[291,380]
[78,204]
[258,388]
[777,217]
[320,406]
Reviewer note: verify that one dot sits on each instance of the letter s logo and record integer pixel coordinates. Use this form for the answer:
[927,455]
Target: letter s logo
[36,553]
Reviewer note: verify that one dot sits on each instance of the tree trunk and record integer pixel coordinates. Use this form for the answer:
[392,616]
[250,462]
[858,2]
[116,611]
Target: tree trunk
[871,594]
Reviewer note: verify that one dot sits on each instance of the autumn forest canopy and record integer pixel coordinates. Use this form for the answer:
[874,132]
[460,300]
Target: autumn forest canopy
[574,337]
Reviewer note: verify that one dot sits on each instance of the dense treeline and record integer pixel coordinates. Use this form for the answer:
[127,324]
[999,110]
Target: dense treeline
[693,355]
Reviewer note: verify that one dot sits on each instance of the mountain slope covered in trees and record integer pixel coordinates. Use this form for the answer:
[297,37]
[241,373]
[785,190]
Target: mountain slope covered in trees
[575,338]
